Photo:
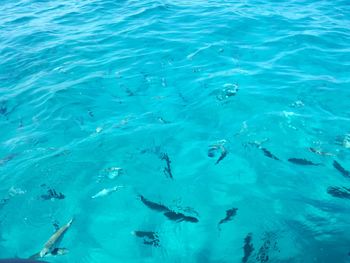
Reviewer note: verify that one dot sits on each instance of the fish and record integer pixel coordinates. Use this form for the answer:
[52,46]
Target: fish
[20,260]
[167,169]
[269,154]
[229,90]
[59,251]
[248,248]
[302,161]
[265,151]
[148,234]
[179,217]
[106,191]
[3,110]
[341,169]
[211,152]
[214,148]
[229,214]
[339,192]
[54,240]
[3,202]
[153,205]
[222,155]
[316,151]
[344,141]
[7,158]
[91,114]
[52,194]
[114,172]
[149,237]
[269,245]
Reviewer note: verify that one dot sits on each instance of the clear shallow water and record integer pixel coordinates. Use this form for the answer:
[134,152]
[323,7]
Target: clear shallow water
[91,85]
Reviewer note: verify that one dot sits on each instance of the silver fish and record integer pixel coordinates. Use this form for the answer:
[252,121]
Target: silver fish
[50,246]
[107,191]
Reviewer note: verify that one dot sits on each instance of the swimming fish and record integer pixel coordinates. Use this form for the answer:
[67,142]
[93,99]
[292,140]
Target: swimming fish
[341,169]
[265,151]
[229,90]
[149,237]
[179,217]
[113,172]
[54,240]
[211,152]
[4,201]
[3,110]
[340,192]
[269,154]
[7,158]
[344,141]
[316,151]
[229,214]
[167,169]
[222,155]
[301,161]
[248,248]
[107,191]
[20,260]
[52,194]
[220,145]
[263,254]
[153,205]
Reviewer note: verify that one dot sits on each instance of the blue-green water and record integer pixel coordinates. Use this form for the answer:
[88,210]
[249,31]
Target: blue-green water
[156,88]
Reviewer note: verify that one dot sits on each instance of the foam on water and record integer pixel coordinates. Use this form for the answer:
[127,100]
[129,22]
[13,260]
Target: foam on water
[99,94]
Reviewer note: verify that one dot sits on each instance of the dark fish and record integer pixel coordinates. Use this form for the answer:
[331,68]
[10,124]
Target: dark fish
[269,154]
[341,169]
[3,202]
[149,237]
[3,110]
[213,149]
[266,152]
[7,158]
[223,154]
[301,161]
[153,205]
[20,260]
[179,217]
[229,214]
[339,192]
[167,169]
[319,152]
[269,245]
[91,114]
[211,152]
[148,234]
[52,194]
[263,254]
[248,248]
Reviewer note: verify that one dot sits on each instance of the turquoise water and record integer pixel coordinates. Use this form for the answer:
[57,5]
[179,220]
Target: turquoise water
[148,95]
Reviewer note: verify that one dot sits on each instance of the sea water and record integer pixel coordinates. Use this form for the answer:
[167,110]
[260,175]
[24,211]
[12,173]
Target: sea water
[121,99]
